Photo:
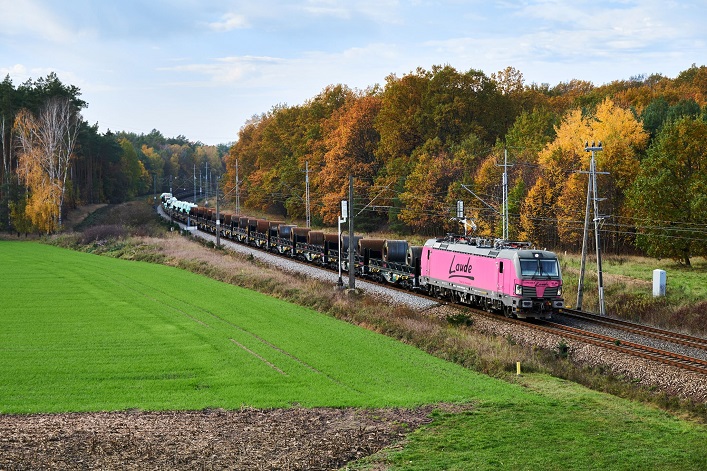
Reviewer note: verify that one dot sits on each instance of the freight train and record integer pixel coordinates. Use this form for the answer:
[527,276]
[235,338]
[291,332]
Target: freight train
[506,277]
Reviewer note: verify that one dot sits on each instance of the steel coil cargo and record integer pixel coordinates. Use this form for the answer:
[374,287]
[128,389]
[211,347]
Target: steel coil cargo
[194,211]
[395,251]
[284,231]
[414,252]
[227,219]
[374,247]
[345,242]
[243,222]
[262,226]
[210,215]
[272,228]
[299,234]
[333,239]
[315,238]
[252,224]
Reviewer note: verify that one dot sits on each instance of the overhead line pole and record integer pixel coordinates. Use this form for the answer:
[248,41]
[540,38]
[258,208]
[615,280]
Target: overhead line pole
[306,179]
[504,210]
[352,258]
[597,220]
[238,192]
[580,284]
[597,223]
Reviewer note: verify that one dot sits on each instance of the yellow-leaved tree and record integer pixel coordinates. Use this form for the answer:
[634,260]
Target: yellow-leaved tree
[46,148]
[558,161]
[564,163]
[622,137]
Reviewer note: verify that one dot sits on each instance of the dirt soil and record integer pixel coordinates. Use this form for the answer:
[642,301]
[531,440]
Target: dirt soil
[282,439]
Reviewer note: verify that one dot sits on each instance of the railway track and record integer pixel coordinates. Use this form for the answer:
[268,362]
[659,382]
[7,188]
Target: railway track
[631,348]
[635,349]
[639,329]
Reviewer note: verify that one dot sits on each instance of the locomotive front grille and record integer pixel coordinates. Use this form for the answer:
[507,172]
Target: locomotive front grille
[531,292]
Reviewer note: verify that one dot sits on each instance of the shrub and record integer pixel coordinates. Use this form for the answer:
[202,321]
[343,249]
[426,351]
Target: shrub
[103,233]
[460,318]
[562,350]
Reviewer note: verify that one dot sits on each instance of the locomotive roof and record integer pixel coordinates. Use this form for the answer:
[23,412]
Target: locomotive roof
[492,249]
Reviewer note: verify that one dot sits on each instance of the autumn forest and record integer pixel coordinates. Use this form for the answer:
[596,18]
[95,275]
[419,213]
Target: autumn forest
[415,145]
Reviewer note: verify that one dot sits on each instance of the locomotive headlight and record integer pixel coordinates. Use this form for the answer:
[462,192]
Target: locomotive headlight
[519,290]
[559,290]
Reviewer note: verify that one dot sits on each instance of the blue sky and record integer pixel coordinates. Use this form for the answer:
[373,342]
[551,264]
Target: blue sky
[203,68]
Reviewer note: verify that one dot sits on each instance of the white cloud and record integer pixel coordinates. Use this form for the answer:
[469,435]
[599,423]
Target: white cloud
[229,69]
[29,18]
[333,8]
[385,11]
[229,22]
[17,70]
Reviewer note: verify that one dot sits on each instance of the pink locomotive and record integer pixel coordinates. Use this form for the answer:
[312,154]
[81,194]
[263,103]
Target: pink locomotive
[506,277]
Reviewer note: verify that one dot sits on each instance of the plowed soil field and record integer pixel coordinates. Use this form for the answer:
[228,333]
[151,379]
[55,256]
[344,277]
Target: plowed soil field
[291,439]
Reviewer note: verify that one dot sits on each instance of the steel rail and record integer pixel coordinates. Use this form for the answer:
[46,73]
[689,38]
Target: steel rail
[640,329]
[631,348]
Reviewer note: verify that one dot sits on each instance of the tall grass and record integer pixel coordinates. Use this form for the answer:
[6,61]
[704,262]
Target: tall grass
[628,291]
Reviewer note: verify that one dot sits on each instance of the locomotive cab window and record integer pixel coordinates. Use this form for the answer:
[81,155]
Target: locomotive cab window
[539,267]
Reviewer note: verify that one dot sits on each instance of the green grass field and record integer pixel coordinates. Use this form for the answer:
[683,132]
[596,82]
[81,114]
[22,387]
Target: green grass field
[83,333]
[564,426]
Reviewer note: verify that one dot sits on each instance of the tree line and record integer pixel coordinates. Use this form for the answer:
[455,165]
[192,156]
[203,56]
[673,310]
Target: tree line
[415,145]
[421,142]
[53,160]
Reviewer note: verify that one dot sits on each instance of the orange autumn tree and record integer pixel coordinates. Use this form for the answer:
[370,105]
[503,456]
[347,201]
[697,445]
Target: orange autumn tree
[425,205]
[351,142]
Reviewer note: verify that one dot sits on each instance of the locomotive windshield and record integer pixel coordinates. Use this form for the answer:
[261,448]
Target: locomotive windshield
[539,267]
